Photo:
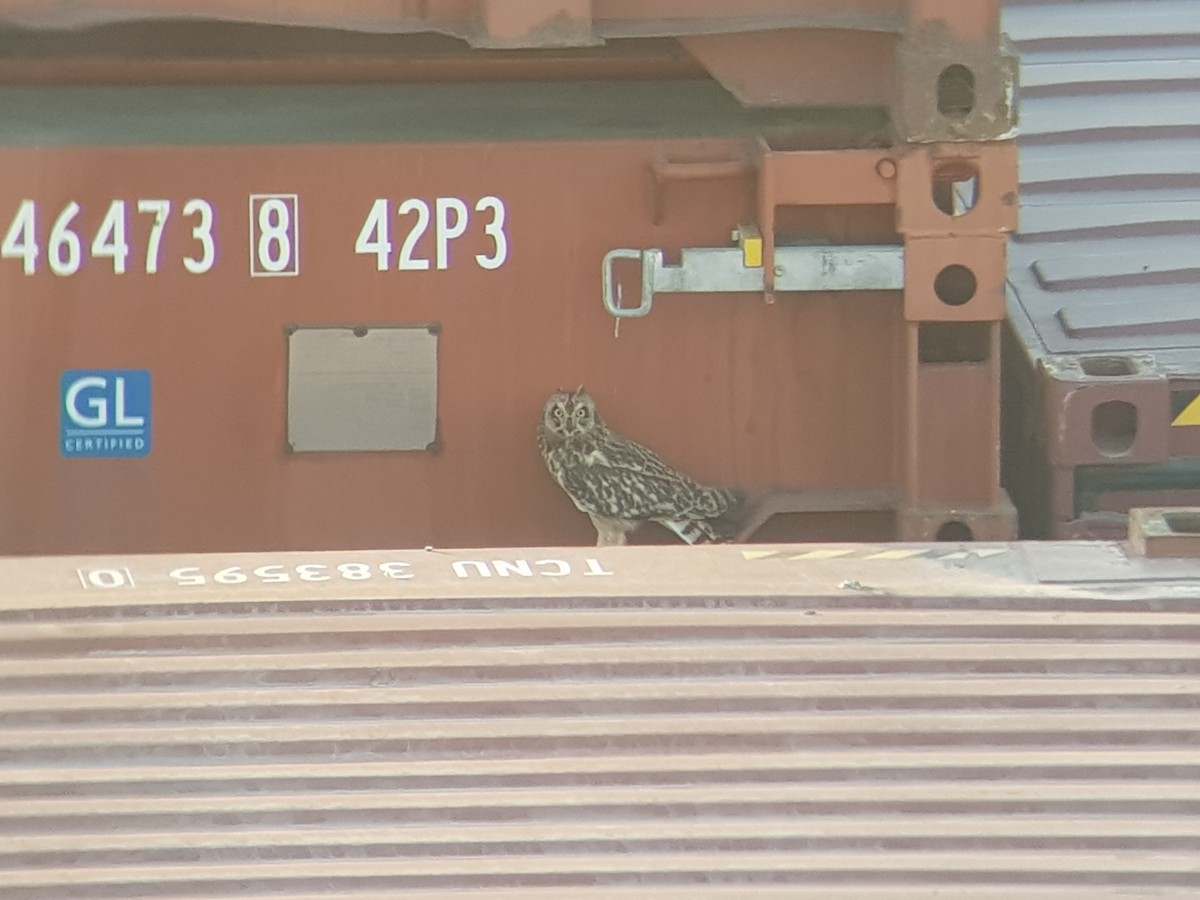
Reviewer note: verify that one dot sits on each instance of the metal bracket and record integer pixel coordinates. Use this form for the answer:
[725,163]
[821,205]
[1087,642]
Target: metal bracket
[704,270]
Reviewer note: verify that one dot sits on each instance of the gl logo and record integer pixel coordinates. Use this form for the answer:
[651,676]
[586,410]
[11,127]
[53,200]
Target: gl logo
[105,413]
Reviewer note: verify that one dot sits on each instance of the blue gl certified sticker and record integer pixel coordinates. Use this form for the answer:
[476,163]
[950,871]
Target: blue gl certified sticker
[105,413]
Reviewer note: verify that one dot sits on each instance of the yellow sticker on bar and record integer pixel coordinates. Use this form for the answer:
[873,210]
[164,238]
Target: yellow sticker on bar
[749,238]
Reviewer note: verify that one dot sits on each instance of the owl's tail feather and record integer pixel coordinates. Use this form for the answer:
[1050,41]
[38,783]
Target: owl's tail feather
[692,531]
[727,525]
[717,530]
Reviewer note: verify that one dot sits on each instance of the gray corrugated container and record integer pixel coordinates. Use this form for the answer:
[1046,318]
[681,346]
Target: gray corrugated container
[1104,359]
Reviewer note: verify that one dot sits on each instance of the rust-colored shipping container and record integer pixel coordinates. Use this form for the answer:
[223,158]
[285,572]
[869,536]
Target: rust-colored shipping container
[247,312]
[817,722]
[1103,373]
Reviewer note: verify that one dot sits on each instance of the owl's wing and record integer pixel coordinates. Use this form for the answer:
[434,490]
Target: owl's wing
[625,480]
[630,456]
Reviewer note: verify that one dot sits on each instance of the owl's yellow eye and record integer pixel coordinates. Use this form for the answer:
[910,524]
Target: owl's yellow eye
[581,413]
[558,412]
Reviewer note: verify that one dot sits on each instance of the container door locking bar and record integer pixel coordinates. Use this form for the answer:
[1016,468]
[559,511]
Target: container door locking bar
[724,270]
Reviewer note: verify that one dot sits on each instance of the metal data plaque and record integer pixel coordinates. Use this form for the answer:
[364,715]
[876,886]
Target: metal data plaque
[358,389]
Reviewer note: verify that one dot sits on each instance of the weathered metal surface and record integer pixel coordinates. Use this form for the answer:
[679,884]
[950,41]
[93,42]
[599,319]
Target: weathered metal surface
[189,52]
[940,67]
[802,66]
[236,229]
[516,294]
[1105,355]
[975,81]
[489,22]
[483,209]
[816,721]
[1168,532]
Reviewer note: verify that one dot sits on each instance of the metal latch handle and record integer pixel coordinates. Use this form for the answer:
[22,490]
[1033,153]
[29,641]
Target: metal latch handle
[651,260]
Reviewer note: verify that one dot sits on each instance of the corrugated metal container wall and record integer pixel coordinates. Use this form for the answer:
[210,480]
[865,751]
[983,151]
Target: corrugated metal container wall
[846,722]
[284,316]
[1103,380]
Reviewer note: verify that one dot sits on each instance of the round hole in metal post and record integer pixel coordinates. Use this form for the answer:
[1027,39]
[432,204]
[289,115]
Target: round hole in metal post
[956,91]
[955,285]
[1114,427]
[955,186]
[954,531]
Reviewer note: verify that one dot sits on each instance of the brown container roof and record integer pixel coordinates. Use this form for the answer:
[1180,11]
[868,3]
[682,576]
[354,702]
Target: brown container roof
[526,23]
[810,721]
[1106,256]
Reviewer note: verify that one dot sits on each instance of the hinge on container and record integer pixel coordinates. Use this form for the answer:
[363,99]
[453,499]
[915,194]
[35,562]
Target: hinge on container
[705,270]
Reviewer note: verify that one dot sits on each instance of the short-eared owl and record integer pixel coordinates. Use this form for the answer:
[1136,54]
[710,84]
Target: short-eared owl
[620,484]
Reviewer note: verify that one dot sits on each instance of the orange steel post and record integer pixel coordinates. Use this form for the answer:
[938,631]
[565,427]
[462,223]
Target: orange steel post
[956,204]
[952,178]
